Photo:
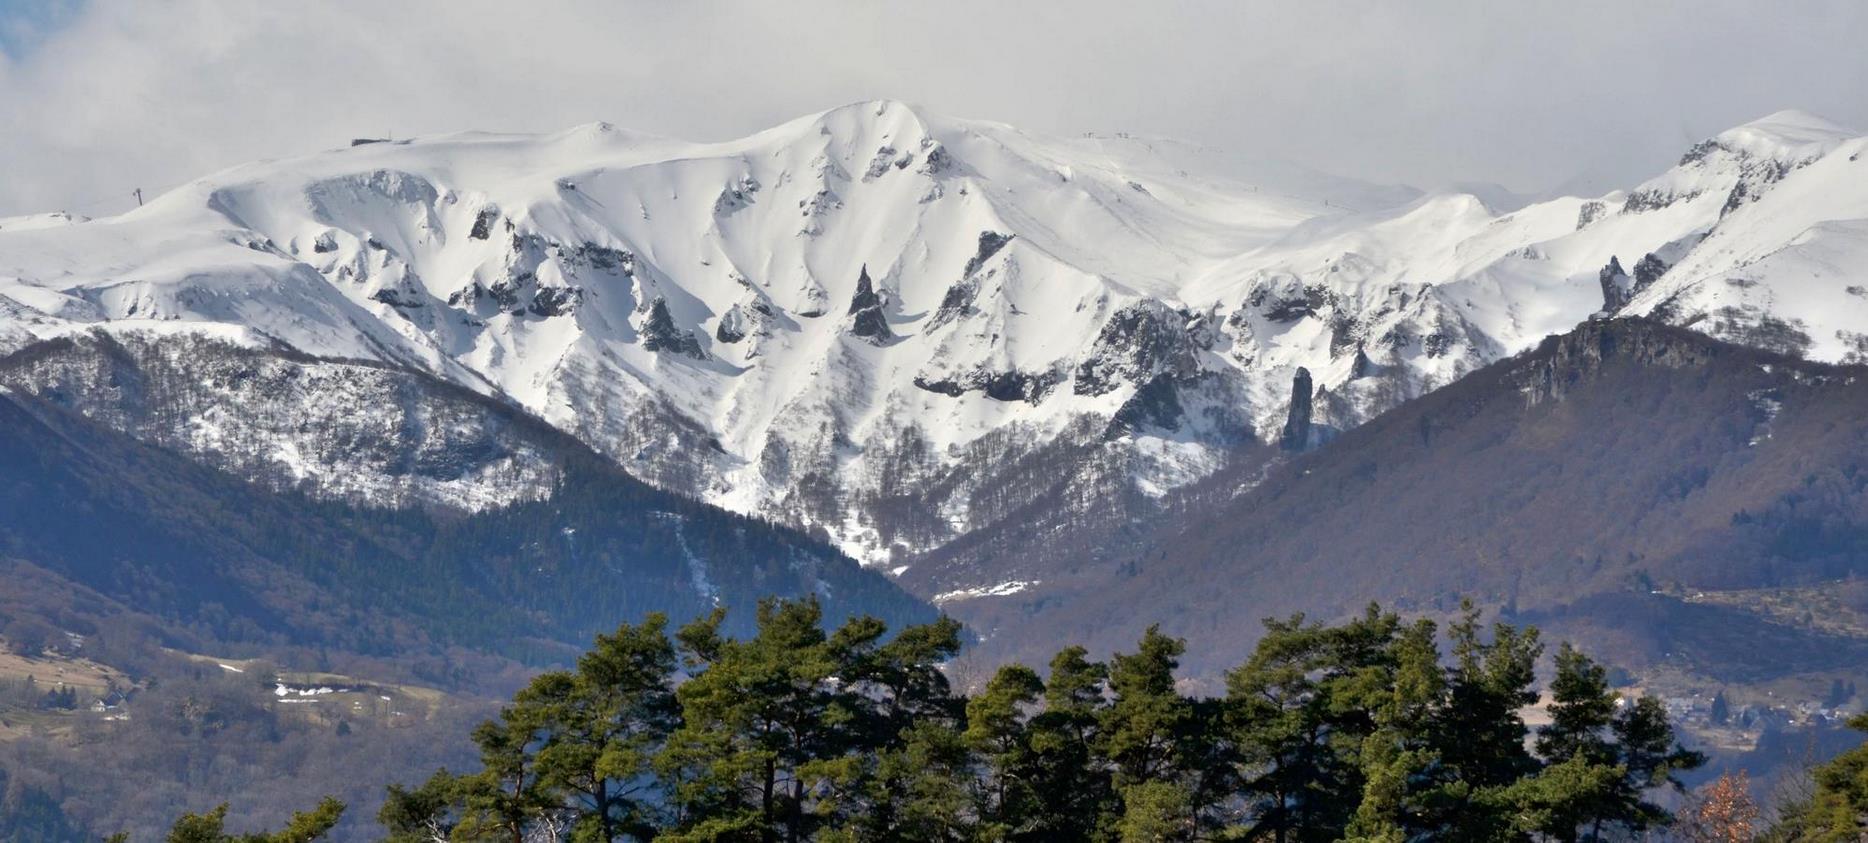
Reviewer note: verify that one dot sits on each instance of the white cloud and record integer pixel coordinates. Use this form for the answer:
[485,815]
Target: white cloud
[133,93]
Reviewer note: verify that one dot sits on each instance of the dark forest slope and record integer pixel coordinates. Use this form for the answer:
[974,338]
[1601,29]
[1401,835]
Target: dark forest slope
[1571,482]
[232,562]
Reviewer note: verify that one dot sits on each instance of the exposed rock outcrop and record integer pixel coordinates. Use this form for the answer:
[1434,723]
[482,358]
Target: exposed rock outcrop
[1617,287]
[1138,342]
[866,319]
[1296,434]
[1648,270]
[660,335]
[1030,387]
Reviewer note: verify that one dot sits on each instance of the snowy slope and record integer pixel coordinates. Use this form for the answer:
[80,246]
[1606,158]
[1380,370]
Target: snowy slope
[898,327]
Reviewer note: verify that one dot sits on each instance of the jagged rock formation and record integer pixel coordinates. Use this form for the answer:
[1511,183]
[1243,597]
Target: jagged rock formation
[659,333]
[1138,344]
[1617,287]
[866,318]
[1296,433]
[1647,271]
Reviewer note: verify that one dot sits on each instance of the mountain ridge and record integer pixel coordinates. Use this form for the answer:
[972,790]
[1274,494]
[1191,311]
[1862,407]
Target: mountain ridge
[687,309]
[248,558]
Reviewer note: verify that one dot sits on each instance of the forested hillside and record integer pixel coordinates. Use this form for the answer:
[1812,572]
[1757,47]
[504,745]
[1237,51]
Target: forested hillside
[234,563]
[1604,483]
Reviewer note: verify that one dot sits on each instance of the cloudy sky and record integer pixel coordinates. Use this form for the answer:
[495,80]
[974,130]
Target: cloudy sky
[101,96]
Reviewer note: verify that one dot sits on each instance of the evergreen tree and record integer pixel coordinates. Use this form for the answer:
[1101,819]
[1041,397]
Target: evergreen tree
[1356,731]
[1072,785]
[1301,708]
[1146,716]
[922,790]
[1581,710]
[304,827]
[1398,757]
[1279,720]
[912,769]
[1155,811]
[1478,737]
[759,723]
[603,725]
[508,798]
[422,814]
[1589,741]
[1142,732]
[1838,810]
[997,731]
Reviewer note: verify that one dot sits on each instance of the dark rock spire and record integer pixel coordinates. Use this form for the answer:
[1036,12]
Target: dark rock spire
[866,310]
[1617,287]
[1296,436]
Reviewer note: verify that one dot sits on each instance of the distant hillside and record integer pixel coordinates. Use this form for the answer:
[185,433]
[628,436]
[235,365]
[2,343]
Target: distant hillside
[233,562]
[1589,484]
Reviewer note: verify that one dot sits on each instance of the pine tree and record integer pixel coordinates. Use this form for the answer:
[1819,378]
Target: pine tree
[1478,737]
[1398,757]
[507,798]
[1581,710]
[1588,741]
[422,814]
[1355,732]
[1142,732]
[1146,715]
[1279,721]
[1838,810]
[604,723]
[911,774]
[921,790]
[304,827]
[1650,757]
[1071,784]
[1302,708]
[997,730]
[753,722]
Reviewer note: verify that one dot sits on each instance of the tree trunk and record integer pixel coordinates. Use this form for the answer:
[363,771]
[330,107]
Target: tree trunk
[765,828]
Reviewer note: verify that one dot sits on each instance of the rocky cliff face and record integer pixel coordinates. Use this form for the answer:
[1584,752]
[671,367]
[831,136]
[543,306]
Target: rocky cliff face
[354,431]
[1562,362]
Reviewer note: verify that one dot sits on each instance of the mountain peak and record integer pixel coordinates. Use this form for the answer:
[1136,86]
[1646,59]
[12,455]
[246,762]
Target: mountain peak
[878,109]
[1787,134]
[883,116]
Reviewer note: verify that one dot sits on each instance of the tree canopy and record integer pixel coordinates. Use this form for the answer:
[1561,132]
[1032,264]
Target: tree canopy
[1364,731]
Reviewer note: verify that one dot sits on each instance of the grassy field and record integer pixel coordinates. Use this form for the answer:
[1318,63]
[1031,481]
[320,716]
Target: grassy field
[321,698]
[1831,608]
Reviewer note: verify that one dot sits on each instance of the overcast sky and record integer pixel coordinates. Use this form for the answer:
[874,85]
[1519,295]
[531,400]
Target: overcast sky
[101,96]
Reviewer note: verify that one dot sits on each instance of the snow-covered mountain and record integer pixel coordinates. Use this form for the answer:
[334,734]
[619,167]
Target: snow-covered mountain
[899,328]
